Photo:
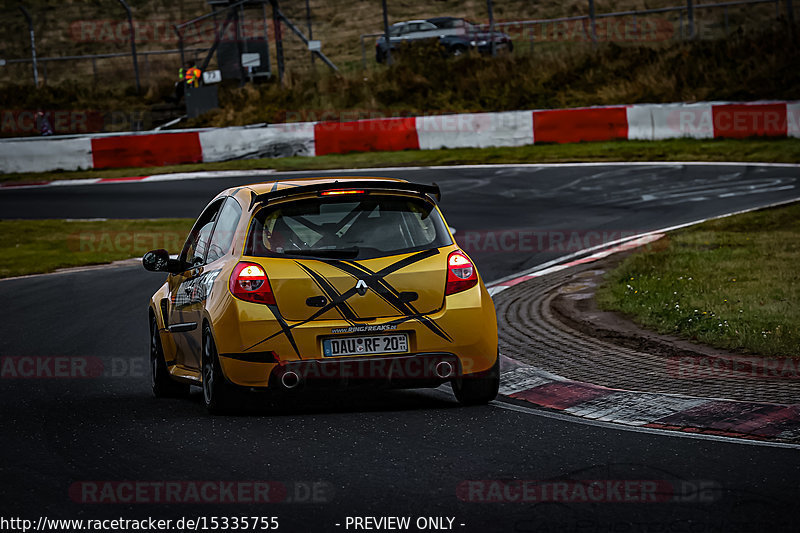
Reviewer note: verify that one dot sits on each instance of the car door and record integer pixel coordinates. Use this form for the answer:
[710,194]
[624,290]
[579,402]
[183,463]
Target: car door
[184,324]
[423,30]
[397,33]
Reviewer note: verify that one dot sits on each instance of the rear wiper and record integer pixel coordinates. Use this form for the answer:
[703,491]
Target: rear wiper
[343,253]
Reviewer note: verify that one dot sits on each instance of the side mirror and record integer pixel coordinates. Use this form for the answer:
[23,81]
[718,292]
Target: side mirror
[159,261]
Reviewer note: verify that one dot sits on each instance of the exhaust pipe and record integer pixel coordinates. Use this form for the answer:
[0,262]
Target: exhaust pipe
[290,380]
[444,369]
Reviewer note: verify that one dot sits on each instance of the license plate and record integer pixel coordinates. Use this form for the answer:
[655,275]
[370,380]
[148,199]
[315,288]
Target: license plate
[365,345]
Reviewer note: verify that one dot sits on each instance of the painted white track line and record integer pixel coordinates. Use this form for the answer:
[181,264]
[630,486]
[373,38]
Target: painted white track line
[213,174]
[542,269]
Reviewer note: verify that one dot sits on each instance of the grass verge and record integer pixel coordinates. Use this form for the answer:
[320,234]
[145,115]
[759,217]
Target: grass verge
[38,246]
[731,283]
[753,150]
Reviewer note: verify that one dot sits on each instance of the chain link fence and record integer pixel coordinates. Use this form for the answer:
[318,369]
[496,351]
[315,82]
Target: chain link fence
[649,26]
[91,40]
[84,44]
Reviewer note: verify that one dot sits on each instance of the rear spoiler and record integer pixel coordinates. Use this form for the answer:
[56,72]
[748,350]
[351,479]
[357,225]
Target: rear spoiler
[348,184]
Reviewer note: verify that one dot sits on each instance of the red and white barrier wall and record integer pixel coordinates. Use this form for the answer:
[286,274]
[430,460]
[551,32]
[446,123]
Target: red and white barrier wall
[703,120]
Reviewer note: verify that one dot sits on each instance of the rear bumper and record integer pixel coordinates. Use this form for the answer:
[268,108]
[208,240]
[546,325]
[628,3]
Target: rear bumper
[399,371]
[406,371]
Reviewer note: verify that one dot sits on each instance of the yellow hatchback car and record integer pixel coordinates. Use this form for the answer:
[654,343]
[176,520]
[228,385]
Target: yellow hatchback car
[329,282]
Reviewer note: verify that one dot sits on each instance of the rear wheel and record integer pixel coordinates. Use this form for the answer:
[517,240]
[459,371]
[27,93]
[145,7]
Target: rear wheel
[163,385]
[478,389]
[217,394]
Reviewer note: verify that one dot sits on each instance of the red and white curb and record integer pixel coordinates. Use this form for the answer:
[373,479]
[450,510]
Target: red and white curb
[633,242]
[657,411]
[719,417]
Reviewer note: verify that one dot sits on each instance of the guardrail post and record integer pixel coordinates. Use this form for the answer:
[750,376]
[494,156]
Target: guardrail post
[179,33]
[33,44]
[690,17]
[386,34]
[240,38]
[532,39]
[276,29]
[133,44]
[266,38]
[727,27]
[593,22]
[492,45]
[310,31]
[363,52]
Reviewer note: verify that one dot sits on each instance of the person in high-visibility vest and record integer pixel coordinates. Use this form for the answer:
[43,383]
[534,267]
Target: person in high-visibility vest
[192,76]
[181,83]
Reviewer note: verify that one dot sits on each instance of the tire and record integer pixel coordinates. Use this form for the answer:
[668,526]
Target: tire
[478,389]
[458,51]
[163,384]
[218,397]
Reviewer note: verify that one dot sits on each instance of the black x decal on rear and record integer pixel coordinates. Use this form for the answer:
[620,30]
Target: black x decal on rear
[375,281]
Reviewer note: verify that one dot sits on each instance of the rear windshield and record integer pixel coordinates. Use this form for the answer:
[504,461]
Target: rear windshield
[346,228]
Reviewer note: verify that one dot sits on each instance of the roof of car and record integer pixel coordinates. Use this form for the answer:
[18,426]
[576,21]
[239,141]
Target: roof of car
[417,21]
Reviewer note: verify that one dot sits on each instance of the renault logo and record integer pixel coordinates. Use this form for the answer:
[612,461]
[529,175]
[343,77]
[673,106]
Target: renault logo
[361,287]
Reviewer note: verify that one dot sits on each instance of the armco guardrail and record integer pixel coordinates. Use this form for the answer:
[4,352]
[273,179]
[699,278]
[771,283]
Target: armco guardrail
[703,120]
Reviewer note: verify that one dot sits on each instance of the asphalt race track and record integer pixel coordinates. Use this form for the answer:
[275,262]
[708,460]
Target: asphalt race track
[401,453]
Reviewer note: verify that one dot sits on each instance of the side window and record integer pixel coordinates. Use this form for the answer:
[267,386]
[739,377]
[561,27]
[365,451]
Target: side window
[224,232]
[194,251]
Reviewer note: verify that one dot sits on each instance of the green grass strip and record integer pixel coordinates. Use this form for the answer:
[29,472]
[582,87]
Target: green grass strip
[37,246]
[732,283]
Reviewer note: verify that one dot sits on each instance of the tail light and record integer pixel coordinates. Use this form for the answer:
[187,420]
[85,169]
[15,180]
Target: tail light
[249,282]
[461,273]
